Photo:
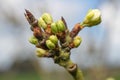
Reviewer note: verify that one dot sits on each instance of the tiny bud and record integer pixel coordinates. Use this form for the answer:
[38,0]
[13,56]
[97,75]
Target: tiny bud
[41,23]
[64,56]
[54,28]
[77,41]
[92,18]
[60,26]
[47,18]
[90,14]
[54,39]
[77,37]
[33,40]
[50,44]
[40,52]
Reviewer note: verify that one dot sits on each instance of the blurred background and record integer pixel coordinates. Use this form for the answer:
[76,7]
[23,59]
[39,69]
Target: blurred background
[98,56]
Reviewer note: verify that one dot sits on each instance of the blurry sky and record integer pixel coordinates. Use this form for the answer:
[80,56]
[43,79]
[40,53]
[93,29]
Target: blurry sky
[103,41]
[111,20]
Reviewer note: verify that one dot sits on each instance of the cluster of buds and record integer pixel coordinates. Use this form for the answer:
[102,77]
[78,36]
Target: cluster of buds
[53,38]
[58,26]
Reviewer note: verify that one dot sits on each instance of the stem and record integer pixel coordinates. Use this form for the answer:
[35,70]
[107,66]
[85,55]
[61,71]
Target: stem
[77,74]
[75,71]
[71,67]
[76,29]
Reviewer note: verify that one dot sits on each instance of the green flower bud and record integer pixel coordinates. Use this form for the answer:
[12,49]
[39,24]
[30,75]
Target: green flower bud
[64,55]
[54,28]
[60,26]
[77,41]
[54,39]
[40,52]
[47,18]
[77,37]
[92,18]
[90,14]
[41,23]
[50,44]
[33,40]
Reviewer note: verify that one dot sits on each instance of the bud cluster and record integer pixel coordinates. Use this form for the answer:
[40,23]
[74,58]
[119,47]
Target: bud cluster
[53,38]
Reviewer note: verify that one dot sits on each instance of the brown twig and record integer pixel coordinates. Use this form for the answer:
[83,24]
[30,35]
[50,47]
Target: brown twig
[76,30]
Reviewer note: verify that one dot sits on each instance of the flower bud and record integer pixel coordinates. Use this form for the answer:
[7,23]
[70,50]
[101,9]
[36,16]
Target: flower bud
[40,52]
[47,18]
[92,18]
[54,28]
[54,39]
[33,40]
[77,41]
[60,26]
[64,55]
[41,23]
[77,37]
[50,44]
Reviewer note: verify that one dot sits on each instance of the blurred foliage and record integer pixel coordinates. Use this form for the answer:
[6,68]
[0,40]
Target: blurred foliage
[20,76]
[58,76]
